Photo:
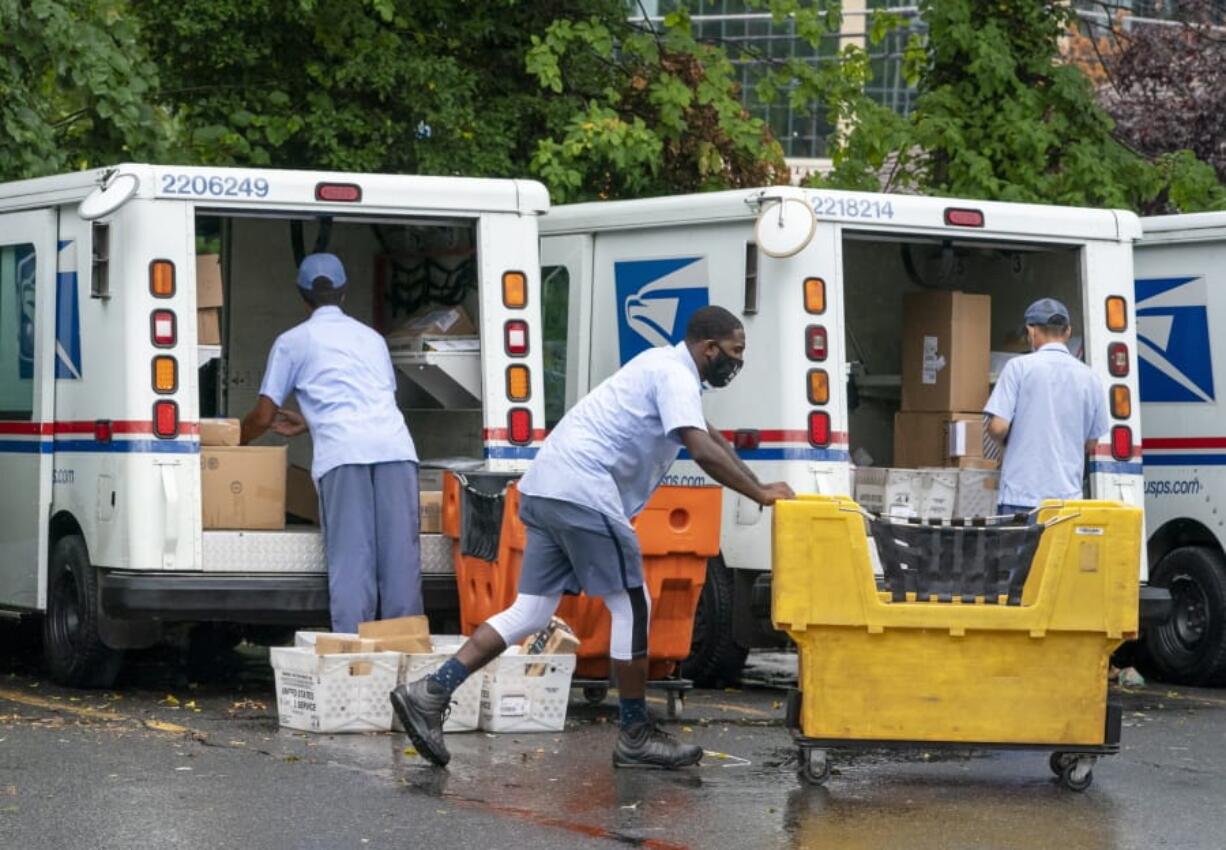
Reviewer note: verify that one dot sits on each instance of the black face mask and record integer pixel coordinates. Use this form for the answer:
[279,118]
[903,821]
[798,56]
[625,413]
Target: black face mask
[723,369]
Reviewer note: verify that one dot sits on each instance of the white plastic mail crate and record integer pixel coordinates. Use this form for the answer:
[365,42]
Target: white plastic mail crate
[465,702]
[514,700]
[334,693]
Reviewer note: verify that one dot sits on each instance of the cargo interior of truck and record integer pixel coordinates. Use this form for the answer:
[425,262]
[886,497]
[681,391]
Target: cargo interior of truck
[880,271]
[414,281]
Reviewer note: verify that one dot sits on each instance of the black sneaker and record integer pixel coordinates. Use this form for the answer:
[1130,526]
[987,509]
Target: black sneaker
[422,711]
[646,745]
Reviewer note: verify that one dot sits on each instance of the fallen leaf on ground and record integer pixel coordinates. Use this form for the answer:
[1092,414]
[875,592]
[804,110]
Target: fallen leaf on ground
[409,751]
[169,699]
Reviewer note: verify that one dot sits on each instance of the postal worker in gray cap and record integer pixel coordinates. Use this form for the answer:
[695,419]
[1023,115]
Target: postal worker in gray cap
[364,465]
[1047,411]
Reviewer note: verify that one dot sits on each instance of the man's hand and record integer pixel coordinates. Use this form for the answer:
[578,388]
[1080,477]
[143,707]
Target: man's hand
[288,423]
[773,492]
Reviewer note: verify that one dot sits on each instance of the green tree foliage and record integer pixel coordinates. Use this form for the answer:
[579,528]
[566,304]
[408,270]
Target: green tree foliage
[1000,116]
[571,92]
[653,112]
[75,88]
[413,86]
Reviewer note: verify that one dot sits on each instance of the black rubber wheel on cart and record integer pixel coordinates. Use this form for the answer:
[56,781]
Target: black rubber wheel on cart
[1190,647]
[1058,761]
[814,766]
[596,695]
[1070,780]
[716,658]
[72,646]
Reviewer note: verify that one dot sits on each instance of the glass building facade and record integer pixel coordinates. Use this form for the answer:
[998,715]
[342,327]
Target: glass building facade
[754,42]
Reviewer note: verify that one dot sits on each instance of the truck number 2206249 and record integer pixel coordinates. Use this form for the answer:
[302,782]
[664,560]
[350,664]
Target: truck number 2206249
[217,187]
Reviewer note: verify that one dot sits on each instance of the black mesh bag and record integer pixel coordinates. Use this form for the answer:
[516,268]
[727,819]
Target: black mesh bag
[987,557]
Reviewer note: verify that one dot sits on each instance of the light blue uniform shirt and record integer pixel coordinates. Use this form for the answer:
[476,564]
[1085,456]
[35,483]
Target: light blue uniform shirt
[342,374]
[1054,405]
[614,447]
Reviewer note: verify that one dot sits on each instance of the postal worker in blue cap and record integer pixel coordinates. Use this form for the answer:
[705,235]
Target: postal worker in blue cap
[364,465]
[1047,411]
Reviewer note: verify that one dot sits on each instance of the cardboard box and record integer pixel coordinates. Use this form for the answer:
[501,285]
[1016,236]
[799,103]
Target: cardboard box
[220,432]
[208,281]
[208,326]
[431,507]
[403,634]
[945,354]
[447,321]
[333,644]
[937,439]
[978,493]
[243,487]
[301,497]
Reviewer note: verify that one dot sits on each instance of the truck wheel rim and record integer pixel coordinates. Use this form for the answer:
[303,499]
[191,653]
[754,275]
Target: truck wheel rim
[67,614]
[1191,611]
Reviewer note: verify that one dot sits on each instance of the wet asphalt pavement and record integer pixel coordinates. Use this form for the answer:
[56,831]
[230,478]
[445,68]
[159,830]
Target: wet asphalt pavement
[193,758]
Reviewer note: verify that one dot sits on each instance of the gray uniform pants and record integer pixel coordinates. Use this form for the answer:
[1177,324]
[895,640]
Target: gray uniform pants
[370,527]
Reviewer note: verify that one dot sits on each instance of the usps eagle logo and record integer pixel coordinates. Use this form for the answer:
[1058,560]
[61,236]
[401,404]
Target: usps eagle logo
[655,299]
[1173,339]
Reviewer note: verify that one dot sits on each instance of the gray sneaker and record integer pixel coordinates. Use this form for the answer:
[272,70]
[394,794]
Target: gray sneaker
[422,711]
[648,746]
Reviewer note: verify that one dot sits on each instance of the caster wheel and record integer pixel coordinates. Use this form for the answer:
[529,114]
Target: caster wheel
[676,704]
[1078,775]
[595,696]
[1058,761]
[814,766]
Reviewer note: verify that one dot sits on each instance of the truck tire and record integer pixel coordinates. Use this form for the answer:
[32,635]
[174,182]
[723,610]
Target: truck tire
[715,656]
[72,647]
[1190,647]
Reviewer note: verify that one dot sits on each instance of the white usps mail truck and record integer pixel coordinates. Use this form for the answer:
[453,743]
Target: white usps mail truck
[818,278]
[1180,267]
[108,362]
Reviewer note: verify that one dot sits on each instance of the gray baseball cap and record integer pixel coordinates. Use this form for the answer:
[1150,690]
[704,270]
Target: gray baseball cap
[1047,311]
[320,265]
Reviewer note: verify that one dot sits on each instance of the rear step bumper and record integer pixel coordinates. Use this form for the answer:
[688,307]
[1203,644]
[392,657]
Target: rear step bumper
[295,599]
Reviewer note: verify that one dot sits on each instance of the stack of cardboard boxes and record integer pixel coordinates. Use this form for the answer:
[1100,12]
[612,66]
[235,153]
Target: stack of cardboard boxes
[241,487]
[938,432]
[209,299]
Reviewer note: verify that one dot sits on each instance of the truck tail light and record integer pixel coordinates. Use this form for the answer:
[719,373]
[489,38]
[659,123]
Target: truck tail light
[165,374]
[517,337]
[815,342]
[1121,402]
[350,193]
[514,290]
[518,384]
[1117,313]
[519,426]
[819,386]
[815,295]
[746,439]
[162,278]
[963,218]
[165,419]
[819,428]
[1121,442]
[1117,360]
[104,430]
[163,329]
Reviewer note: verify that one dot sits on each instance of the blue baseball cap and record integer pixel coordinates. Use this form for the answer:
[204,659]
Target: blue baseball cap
[320,265]
[1047,311]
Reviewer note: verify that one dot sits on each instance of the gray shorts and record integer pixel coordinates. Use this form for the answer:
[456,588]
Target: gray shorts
[571,548]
